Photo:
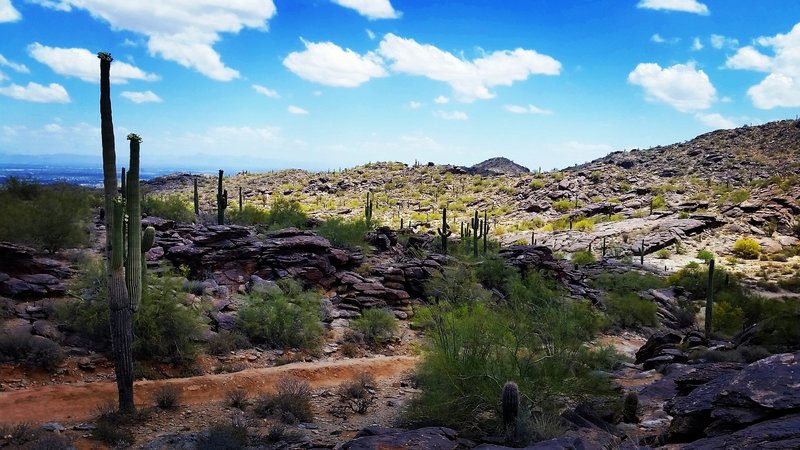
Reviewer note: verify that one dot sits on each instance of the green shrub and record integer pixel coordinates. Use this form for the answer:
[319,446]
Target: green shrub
[746,248]
[34,351]
[705,255]
[630,310]
[728,319]
[225,436]
[236,398]
[582,257]
[343,233]
[291,403]
[87,312]
[492,272]
[376,325]
[171,207]
[455,285]
[739,195]
[48,217]
[226,341]
[533,337]
[249,215]
[658,202]
[664,253]
[285,213]
[627,282]
[283,319]
[537,184]
[563,205]
[163,327]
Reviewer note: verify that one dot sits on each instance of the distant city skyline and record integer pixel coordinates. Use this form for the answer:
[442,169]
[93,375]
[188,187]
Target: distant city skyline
[319,84]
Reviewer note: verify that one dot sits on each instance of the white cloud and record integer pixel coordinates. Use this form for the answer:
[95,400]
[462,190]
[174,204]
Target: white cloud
[371,9]
[681,86]
[271,93]
[696,45]
[179,31]
[781,88]
[297,110]
[21,68]
[441,100]
[715,121]
[775,91]
[690,6]
[142,97]
[658,39]
[748,58]
[371,34]
[83,64]
[327,63]
[414,105]
[530,109]
[3,77]
[35,92]
[719,42]
[451,115]
[8,13]
[470,80]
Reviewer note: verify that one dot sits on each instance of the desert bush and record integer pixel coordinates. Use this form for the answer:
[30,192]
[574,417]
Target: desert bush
[663,253]
[171,207]
[87,312]
[534,337]
[285,213]
[283,319]
[163,327]
[17,435]
[705,255]
[728,319]
[236,398]
[742,354]
[563,205]
[376,325]
[48,217]
[167,396]
[357,393]
[630,310]
[746,248]
[583,257]
[34,351]
[456,284]
[291,403]
[51,442]
[791,284]
[658,202]
[225,436]
[344,233]
[226,341]
[249,215]
[492,272]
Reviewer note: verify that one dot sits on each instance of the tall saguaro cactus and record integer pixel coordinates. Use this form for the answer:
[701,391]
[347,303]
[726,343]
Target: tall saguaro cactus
[368,210]
[710,300]
[222,200]
[196,198]
[477,233]
[444,232]
[125,269]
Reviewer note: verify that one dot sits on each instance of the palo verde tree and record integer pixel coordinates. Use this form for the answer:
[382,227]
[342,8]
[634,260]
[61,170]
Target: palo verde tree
[125,246]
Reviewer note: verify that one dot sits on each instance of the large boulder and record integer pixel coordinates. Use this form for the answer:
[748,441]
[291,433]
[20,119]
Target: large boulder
[431,438]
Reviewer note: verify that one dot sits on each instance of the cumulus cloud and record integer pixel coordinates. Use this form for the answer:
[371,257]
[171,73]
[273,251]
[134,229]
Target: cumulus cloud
[271,93]
[3,77]
[142,97]
[530,109]
[371,9]
[8,13]
[470,80]
[297,110]
[681,86]
[696,44]
[179,31]
[35,92]
[715,121]
[690,6]
[781,87]
[327,63]
[748,58]
[451,115]
[719,42]
[21,68]
[83,64]
[658,39]
[441,100]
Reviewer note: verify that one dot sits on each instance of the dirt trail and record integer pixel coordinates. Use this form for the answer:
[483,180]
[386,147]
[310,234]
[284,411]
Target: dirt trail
[76,402]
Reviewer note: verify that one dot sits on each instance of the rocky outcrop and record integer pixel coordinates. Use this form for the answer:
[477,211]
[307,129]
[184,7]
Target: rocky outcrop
[24,275]
[431,438]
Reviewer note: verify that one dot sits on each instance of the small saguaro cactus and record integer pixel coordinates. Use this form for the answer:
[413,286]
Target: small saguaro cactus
[241,199]
[444,232]
[401,223]
[222,200]
[510,406]
[485,231]
[368,210]
[477,233]
[641,254]
[196,198]
[604,246]
[710,299]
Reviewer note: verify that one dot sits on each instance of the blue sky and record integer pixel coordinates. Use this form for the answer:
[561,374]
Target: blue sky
[322,84]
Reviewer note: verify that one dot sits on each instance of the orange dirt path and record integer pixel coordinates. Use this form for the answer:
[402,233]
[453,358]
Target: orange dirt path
[80,401]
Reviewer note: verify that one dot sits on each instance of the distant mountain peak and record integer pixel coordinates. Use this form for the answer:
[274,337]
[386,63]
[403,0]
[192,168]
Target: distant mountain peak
[497,166]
